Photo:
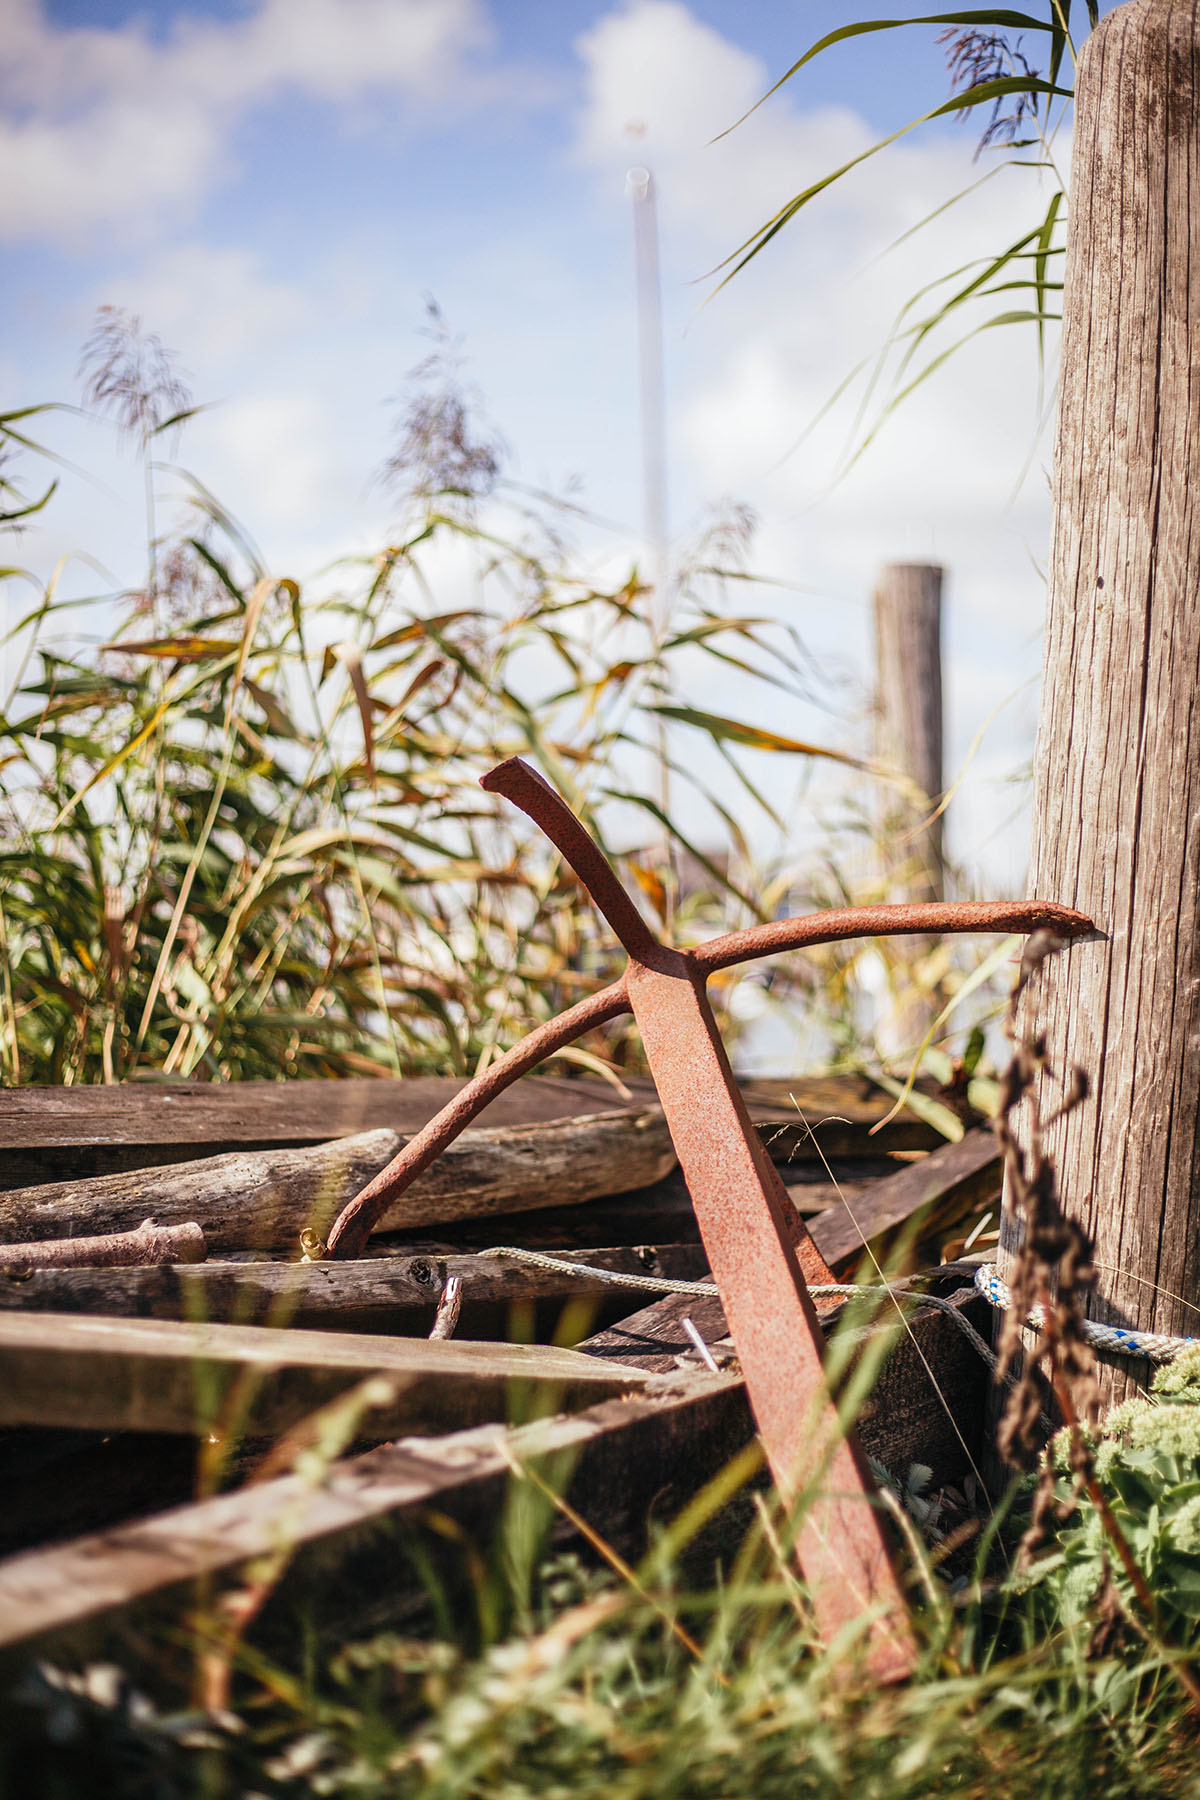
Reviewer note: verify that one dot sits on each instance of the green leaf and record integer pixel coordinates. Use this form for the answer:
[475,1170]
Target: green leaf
[983,95]
[1002,19]
[755,737]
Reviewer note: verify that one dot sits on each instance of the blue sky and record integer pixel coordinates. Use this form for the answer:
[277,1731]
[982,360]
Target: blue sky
[274,185]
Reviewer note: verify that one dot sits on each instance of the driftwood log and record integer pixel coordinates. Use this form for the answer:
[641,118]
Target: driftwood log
[374,1294]
[263,1200]
[149,1244]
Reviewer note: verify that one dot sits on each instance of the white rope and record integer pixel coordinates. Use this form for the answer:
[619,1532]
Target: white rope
[1154,1346]
[647,1284]
[660,1284]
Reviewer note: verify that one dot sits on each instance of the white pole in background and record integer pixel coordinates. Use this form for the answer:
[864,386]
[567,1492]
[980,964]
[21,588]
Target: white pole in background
[639,187]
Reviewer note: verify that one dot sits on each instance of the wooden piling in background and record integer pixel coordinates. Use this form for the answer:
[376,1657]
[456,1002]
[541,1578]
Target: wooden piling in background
[908,740]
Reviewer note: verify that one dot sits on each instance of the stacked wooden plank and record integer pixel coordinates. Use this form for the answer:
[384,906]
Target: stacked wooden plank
[116,1383]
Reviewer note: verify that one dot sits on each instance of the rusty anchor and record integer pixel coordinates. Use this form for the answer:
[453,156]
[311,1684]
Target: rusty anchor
[760,1253]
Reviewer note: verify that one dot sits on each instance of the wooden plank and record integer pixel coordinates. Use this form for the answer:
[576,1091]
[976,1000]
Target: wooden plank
[63,1369]
[109,1594]
[653,1338]
[192,1113]
[929,1399]
[379,1293]
[52,1134]
[263,1199]
[99,1592]
[945,1185]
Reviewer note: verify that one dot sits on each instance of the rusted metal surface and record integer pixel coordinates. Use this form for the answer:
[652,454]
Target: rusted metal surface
[758,1247]
[841,1543]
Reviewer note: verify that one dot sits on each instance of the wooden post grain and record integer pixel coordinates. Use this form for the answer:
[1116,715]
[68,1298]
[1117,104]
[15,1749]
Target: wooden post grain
[908,659]
[908,733]
[1117,782]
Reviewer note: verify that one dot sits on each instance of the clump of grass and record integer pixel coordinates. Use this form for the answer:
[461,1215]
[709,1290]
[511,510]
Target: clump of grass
[244,833]
[594,1695]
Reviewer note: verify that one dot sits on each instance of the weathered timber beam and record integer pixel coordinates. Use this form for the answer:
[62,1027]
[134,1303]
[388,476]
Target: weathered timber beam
[365,1295]
[119,1592]
[101,1591]
[262,1200]
[89,1373]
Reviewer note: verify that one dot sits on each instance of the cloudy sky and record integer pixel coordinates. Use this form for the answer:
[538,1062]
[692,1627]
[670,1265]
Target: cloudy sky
[274,185]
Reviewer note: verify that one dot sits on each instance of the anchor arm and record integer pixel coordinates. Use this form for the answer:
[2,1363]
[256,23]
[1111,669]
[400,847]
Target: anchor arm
[935,918]
[550,812]
[359,1217]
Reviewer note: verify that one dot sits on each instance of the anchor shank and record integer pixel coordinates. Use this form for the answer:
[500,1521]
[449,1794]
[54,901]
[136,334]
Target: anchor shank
[841,1542]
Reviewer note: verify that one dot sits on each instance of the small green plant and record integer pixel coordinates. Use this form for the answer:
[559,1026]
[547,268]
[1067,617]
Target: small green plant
[1147,1457]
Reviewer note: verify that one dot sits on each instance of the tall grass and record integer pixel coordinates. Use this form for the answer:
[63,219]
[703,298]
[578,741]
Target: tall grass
[243,832]
[668,1685]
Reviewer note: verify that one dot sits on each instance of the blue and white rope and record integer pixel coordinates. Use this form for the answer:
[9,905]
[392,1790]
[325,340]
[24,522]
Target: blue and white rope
[1154,1346]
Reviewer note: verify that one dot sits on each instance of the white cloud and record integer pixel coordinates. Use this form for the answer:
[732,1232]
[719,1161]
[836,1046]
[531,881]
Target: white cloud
[218,303]
[110,127]
[661,85]
[656,70]
[281,448]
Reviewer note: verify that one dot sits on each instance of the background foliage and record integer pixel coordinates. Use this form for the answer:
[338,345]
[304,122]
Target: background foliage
[244,833]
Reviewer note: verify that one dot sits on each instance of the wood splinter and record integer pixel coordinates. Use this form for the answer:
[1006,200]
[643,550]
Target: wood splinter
[150,1243]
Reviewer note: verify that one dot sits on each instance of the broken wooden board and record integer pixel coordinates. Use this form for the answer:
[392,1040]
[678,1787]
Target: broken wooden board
[371,1294]
[928,1401]
[654,1337]
[67,1133]
[943,1186]
[103,1593]
[119,1592]
[63,1369]
[263,1200]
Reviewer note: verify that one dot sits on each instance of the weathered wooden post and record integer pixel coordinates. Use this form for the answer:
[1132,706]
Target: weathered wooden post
[1117,785]
[908,739]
